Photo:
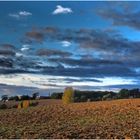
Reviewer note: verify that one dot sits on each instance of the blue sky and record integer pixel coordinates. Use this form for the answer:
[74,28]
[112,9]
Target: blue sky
[47,46]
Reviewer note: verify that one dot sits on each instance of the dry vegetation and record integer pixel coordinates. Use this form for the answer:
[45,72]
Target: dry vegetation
[52,119]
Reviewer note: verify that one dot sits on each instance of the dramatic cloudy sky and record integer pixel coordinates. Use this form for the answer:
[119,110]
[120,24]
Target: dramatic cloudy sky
[46,46]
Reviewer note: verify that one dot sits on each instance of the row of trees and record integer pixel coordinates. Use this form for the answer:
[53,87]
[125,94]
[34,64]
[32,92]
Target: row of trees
[33,97]
[71,95]
[83,96]
[20,98]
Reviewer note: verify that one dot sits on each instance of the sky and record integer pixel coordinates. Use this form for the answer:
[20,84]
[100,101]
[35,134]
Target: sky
[47,46]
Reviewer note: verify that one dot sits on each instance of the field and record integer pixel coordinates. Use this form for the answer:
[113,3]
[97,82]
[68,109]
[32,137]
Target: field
[52,119]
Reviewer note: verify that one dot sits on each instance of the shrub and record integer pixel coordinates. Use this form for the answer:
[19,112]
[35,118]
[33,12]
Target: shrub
[68,96]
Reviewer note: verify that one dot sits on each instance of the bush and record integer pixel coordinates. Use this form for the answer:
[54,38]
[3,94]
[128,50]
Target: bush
[3,106]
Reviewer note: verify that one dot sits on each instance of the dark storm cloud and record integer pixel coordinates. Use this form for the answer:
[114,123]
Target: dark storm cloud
[124,17]
[50,52]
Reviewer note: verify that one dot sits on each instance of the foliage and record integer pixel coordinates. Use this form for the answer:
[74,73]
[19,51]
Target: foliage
[35,95]
[25,97]
[56,95]
[14,98]
[68,96]
[4,97]
[83,96]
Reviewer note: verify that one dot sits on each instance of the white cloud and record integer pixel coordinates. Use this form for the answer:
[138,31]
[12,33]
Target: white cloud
[61,10]
[25,47]
[19,54]
[38,80]
[25,13]
[66,43]
[20,14]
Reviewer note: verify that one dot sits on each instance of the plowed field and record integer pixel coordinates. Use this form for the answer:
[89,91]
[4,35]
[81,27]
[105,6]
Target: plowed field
[52,119]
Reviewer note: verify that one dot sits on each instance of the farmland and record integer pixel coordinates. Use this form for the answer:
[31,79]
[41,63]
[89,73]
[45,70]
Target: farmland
[52,119]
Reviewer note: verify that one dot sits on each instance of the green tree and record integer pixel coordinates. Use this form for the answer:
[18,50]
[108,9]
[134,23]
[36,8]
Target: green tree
[123,93]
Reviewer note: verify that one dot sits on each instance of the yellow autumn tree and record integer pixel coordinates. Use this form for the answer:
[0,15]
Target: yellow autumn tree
[68,96]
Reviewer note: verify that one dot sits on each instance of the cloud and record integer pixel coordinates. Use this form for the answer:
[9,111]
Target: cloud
[13,90]
[100,53]
[7,46]
[7,50]
[123,17]
[84,62]
[25,47]
[50,52]
[25,13]
[20,14]
[6,63]
[66,43]
[61,10]
[35,35]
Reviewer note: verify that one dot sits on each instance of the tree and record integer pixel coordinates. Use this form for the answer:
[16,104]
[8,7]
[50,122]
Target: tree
[35,95]
[25,97]
[4,97]
[56,95]
[107,96]
[135,93]
[13,98]
[68,96]
[123,93]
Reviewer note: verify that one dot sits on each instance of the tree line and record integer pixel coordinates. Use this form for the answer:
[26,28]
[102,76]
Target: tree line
[80,96]
[71,95]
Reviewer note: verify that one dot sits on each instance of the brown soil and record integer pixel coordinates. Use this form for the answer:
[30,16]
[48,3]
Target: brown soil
[52,119]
